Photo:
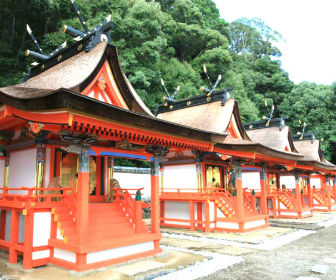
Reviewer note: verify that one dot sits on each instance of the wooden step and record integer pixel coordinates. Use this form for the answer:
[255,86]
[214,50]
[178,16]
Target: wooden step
[108,227]
[116,214]
[109,220]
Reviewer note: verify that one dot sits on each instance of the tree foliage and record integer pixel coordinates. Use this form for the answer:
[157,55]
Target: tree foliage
[172,39]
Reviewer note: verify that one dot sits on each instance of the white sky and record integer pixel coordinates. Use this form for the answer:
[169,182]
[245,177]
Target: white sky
[308,26]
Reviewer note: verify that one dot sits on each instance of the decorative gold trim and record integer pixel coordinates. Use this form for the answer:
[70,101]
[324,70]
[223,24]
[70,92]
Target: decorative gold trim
[70,119]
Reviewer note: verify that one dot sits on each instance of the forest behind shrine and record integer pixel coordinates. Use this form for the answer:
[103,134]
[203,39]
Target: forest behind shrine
[172,39]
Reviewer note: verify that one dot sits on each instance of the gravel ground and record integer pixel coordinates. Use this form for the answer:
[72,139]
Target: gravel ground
[289,261]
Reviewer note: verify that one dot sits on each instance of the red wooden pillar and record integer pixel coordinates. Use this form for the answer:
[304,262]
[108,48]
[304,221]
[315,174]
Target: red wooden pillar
[162,213]
[239,199]
[263,197]
[14,235]
[199,215]
[83,195]
[192,215]
[155,201]
[28,241]
[334,189]
[207,216]
[310,193]
[328,192]
[298,192]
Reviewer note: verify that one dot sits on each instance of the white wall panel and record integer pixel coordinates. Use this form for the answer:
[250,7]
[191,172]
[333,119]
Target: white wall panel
[251,180]
[65,255]
[134,181]
[21,227]
[253,224]
[180,176]
[2,171]
[315,182]
[177,210]
[41,229]
[22,169]
[41,254]
[8,225]
[288,181]
[119,252]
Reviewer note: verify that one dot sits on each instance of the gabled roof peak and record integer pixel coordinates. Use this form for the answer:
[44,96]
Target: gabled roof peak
[305,136]
[172,105]
[276,122]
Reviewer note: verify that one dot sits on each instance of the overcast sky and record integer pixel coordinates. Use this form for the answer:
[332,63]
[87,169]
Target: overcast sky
[308,26]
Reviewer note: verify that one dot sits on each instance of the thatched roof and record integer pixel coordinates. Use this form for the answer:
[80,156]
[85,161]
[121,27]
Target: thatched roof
[211,116]
[274,137]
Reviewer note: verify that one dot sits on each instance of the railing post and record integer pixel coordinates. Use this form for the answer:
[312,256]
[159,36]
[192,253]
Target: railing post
[14,235]
[2,223]
[28,240]
[83,194]
[138,216]
[192,215]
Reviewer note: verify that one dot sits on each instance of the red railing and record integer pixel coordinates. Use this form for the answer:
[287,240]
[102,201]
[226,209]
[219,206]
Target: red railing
[37,195]
[320,196]
[250,205]
[132,207]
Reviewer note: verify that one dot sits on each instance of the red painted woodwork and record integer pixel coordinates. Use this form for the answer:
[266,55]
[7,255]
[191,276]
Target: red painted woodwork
[104,88]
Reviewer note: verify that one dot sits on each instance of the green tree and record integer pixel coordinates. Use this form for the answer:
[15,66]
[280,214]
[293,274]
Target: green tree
[311,103]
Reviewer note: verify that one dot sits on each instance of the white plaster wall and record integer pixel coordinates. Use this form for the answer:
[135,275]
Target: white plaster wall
[251,180]
[180,176]
[212,211]
[22,169]
[65,255]
[295,214]
[315,182]
[288,181]
[21,227]
[228,225]
[41,229]
[41,254]
[177,210]
[134,181]
[8,225]
[2,172]
[119,252]
[254,224]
